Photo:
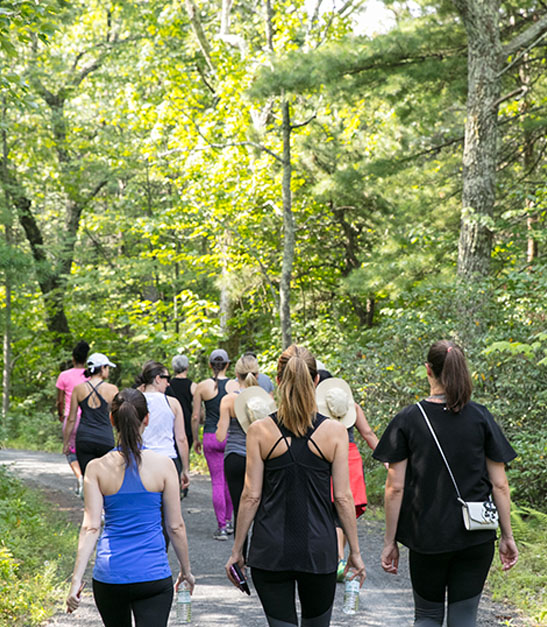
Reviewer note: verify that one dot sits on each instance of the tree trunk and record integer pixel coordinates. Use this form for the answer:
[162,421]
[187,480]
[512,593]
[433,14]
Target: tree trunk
[481,20]
[6,371]
[288,232]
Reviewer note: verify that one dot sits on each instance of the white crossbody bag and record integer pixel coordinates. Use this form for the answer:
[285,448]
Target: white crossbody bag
[477,515]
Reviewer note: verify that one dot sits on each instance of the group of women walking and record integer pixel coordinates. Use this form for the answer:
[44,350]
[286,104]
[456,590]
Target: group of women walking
[289,468]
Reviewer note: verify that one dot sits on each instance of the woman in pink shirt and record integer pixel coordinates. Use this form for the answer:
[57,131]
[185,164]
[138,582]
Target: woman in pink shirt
[66,382]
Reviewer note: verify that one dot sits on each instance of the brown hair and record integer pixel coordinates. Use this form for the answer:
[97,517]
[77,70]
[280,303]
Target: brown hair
[129,408]
[450,367]
[150,370]
[296,372]
[247,370]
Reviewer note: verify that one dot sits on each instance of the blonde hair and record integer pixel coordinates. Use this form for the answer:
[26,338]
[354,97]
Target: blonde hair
[296,372]
[247,370]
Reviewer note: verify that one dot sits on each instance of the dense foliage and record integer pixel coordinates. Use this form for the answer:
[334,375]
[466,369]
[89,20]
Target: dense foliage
[142,166]
[36,553]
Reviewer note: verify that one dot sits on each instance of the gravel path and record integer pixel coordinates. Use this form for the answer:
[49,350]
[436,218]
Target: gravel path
[385,600]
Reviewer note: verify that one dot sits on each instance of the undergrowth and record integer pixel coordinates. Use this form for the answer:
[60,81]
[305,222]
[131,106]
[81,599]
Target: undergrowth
[36,554]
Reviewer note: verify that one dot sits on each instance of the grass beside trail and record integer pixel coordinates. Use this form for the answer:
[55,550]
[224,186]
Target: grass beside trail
[525,584]
[37,549]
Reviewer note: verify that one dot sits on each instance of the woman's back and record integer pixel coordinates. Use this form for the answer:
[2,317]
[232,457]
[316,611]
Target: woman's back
[159,434]
[132,546]
[294,525]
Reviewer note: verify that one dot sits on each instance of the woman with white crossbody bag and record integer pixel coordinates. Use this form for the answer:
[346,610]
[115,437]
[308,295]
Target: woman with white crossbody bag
[445,492]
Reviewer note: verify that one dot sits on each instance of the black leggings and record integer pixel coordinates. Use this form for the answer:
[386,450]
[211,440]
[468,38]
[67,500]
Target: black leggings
[234,473]
[277,595]
[149,601]
[87,451]
[460,573]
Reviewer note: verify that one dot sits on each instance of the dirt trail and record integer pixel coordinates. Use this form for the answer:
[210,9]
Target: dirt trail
[386,601]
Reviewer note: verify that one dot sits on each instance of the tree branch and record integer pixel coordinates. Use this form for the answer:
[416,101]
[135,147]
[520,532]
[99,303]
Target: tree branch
[527,39]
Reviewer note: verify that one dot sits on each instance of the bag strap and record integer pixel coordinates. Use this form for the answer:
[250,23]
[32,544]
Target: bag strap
[441,452]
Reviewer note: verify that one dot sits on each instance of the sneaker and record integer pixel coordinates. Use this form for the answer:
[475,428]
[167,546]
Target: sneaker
[80,488]
[220,534]
[229,528]
[340,571]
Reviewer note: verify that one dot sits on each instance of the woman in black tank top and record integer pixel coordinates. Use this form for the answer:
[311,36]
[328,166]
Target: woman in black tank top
[94,437]
[291,457]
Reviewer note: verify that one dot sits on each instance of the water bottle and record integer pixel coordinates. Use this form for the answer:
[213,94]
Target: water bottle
[351,595]
[184,604]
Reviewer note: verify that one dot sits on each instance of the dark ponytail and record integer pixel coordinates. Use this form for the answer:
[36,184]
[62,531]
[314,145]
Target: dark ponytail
[450,368]
[91,370]
[150,370]
[218,367]
[80,352]
[129,408]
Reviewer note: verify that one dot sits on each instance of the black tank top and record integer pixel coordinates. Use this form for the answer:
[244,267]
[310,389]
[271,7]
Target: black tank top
[212,407]
[181,390]
[294,525]
[95,421]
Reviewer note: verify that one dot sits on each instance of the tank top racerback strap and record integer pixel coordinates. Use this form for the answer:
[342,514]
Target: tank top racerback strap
[94,389]
[307,436]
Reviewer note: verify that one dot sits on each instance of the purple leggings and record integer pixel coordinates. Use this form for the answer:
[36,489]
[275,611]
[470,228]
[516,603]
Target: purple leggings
[214,454]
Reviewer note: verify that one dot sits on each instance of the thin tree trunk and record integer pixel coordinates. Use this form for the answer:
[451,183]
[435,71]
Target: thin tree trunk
[288,232]
[6,353]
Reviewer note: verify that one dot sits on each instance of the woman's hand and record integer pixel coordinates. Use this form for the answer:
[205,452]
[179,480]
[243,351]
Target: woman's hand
[390,558]
[189,579]
[509,552]
[235,558]
[74,596]
[356,566]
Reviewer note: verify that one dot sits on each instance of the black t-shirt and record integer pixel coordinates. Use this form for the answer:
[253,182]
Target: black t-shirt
[431,519]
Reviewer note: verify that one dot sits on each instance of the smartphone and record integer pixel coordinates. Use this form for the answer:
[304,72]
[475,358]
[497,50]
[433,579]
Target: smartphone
[242,584]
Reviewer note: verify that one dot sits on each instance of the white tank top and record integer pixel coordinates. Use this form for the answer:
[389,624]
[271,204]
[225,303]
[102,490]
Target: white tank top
[159,435]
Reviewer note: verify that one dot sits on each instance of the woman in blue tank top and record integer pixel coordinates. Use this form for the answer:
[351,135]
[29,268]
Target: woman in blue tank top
[291,458]
[131,574]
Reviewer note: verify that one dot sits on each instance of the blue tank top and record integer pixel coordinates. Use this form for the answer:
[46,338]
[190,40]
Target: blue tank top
[131,548]
[212,407]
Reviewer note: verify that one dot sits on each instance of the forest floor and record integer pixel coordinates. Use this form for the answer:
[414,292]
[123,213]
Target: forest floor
[385,600]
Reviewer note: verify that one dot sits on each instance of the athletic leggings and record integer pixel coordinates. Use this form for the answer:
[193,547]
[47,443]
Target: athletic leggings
[234,471]
[276,590]
[87,451]
[214,454]
[461,573]
[149,602]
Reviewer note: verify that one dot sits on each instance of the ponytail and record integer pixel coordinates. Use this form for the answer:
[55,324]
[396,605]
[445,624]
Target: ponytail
[247,370]
[218,367]
[296,372]
[91,370]
[150,370]
[449,366]
[129,408]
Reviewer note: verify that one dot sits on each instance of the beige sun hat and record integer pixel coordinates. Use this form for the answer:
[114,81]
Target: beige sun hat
[253,404]
[335,400]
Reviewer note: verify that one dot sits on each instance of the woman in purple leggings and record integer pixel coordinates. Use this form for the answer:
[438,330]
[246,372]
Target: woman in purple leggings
[211,391]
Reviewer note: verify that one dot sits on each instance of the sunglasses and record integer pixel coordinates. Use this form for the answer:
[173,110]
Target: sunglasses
[164,376]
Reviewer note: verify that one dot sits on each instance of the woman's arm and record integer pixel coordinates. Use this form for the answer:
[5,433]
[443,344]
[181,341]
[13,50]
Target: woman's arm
[89,532]
[250,497]
[500,493]
[393,498]
[226,409]
[364,429]
[176,529]
[196,411]
[71,420]
[60,403]
[181,440]
[343,500]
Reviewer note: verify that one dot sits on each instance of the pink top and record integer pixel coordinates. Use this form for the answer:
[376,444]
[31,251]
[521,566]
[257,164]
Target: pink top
[67,381]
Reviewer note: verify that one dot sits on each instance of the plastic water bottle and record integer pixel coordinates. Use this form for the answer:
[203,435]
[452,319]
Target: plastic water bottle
[184,604]
[351,595]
